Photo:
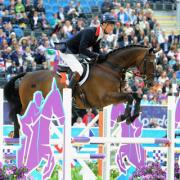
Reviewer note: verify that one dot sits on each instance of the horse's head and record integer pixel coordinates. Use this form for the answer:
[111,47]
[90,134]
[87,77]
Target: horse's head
[147,67]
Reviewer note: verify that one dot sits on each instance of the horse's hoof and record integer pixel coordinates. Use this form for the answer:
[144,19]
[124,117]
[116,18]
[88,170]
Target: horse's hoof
[121,118]
[129,120]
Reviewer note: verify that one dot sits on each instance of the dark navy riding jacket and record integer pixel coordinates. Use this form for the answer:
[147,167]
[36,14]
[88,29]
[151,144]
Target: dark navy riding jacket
[86,38]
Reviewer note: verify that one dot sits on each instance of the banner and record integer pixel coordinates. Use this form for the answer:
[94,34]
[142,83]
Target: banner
[154,116]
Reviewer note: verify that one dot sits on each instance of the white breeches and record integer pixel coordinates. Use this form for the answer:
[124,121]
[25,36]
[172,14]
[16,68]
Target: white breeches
[72,63]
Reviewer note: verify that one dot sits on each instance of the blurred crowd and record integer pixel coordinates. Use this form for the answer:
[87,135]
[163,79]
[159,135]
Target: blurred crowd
[25,46]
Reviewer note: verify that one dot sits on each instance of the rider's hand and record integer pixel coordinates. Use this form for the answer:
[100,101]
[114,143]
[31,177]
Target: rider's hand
[102,58]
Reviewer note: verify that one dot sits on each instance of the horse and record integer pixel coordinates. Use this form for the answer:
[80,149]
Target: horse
[104,85]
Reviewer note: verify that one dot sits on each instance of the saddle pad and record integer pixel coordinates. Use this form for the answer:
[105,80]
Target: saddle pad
[84,76]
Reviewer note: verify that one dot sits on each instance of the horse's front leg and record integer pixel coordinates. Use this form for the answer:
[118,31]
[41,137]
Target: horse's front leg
[115,98]
[128,109]
[136,108]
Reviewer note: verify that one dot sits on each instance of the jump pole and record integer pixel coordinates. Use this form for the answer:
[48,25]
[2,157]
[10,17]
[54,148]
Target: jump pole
[100,148]
[67,104]
[1,124]
[107,148]
[171,137]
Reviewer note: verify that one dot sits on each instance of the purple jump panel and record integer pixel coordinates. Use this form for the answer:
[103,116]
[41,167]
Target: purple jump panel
[81,139]
[97,156]
[9,156]
[161,140]
[11,140]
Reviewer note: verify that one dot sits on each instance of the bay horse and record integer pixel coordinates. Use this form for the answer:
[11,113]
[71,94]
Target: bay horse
[104,86]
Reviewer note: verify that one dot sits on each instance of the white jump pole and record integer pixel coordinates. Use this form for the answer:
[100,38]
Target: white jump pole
[1,124]
[67,104]
[126,140]
[107,148]
[171,137]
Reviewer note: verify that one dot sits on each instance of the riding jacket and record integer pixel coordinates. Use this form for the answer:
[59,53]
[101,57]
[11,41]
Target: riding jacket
[80,43]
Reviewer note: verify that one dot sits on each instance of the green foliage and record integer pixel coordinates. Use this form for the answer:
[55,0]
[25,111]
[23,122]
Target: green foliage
[93,166]
[114,174]
[76,173]
[54,175]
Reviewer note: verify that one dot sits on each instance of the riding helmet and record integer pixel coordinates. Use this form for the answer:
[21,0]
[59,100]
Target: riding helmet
[108,18]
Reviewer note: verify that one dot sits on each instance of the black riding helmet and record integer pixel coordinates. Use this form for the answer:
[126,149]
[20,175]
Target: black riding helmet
[108,18]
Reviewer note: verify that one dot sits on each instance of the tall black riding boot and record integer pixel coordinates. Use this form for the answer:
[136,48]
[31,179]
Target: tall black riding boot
[74,80]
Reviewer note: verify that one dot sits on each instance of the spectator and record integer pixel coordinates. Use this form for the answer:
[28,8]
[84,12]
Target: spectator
[165,46]
[79,123]
[163,77]
[95,22]
[87,118]
[172,37]
[133,18]
[67,28]
[54,40]
[144,100]
[61,14]
[153,123]
[106,6]
[28,6]
[35,21]
[44,22]
[123,16]
[19,7]
[28,55]
[12,70]
[39,7]
[40,56]
[167,88]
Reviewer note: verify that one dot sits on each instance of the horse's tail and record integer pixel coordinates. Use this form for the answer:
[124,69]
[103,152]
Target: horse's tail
[11,94]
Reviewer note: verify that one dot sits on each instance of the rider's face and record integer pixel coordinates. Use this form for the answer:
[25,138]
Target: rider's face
[108,28]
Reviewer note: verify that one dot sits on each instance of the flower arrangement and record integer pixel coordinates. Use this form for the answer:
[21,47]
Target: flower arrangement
[153,171]
[12,172]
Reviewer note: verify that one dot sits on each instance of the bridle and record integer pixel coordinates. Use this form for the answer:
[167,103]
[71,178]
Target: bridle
[145,62]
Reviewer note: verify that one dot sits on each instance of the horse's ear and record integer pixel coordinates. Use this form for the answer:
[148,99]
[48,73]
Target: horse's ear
[151,50]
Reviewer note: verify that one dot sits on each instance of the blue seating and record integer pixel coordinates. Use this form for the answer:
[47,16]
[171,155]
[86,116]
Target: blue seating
[6,2]
[19,32]
[178,75]
[45,1]
[86,9]
[55,8]
[49,14]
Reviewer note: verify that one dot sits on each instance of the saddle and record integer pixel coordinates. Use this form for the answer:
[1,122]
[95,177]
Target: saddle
[86,64]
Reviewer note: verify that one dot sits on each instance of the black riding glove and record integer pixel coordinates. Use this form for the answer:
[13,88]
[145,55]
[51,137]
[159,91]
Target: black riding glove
[102,58]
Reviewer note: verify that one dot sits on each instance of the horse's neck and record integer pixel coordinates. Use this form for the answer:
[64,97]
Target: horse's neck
[128,58]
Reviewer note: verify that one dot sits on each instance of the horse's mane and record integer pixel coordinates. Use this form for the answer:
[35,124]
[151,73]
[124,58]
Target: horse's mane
[126,47]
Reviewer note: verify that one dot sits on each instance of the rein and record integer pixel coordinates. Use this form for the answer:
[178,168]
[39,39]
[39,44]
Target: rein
[114,70]
[144,76]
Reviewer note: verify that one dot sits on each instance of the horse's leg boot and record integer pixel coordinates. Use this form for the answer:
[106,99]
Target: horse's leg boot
[74,80]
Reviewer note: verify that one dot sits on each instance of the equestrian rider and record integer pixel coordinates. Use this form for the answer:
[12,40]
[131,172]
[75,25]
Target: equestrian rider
[90,37]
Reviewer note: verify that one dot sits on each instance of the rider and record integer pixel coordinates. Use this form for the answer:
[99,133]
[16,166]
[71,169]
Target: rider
[90,37]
